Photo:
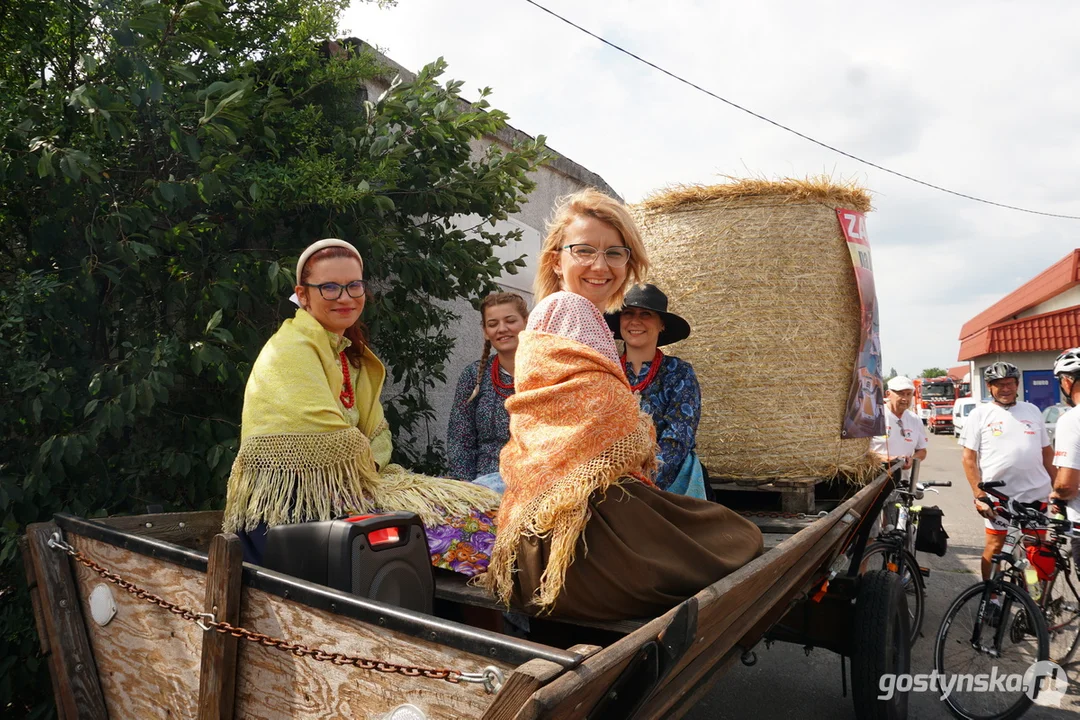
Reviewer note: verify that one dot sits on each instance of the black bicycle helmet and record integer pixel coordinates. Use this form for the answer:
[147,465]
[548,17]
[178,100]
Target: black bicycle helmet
[1000,371]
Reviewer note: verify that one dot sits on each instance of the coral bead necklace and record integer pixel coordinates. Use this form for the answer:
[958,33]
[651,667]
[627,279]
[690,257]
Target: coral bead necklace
[654,368]
[348,397]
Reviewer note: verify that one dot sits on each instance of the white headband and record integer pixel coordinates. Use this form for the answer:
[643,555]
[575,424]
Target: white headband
[316,247]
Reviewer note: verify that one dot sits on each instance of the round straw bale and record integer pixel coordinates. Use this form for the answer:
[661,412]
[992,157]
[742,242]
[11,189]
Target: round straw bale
[762,272]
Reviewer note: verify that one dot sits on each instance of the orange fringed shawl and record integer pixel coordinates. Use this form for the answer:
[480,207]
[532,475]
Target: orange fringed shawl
[575,428]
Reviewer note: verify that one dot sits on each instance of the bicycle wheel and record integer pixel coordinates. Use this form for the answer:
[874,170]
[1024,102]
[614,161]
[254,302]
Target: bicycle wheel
[1062,608]
[997,643]
[882,556]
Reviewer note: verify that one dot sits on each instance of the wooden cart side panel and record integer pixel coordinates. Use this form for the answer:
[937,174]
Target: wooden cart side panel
[73,662]
[148,657]
[574,693]
[773,602]
[39,623]
[189,529]
[271,683]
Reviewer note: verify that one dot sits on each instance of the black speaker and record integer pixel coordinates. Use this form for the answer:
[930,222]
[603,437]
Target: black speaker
[382,557]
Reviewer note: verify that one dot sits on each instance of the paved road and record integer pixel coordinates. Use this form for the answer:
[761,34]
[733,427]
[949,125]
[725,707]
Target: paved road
[785,684]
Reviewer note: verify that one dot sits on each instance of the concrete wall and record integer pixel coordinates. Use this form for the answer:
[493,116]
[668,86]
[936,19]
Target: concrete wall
[558,177]
[1024,361]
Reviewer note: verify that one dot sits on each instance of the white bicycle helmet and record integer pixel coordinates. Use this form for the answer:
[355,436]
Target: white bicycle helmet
[1068,363]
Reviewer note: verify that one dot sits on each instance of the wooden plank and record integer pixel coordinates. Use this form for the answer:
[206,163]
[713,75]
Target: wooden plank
[768,524]
[39,619]
[520,686]
[574,693]
[271,683]
[799,481]
[190,529]
[148,658]
[773,602]
[217,669]
[75,683]
[797,499]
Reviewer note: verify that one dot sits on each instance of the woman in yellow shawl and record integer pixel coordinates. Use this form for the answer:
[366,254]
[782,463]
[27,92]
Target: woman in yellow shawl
[583,532]
[314,444]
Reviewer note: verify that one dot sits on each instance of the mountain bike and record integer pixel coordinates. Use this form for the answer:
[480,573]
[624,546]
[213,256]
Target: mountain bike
[995,627]
[894,550]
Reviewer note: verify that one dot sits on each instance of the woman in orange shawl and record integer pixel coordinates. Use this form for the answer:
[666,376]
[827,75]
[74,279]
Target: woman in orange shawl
[583,532]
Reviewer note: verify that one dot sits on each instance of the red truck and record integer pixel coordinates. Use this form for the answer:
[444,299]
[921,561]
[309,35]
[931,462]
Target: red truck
[934,398]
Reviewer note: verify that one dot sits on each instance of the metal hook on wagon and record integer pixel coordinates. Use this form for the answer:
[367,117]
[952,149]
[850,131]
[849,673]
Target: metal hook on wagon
[491,677]
[206,621]
[56,542]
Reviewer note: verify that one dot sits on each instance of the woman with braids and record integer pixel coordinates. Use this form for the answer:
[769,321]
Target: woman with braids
[583,531]
[314,443]
[479,425]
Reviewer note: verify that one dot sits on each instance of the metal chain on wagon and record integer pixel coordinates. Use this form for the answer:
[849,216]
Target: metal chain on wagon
[490,677]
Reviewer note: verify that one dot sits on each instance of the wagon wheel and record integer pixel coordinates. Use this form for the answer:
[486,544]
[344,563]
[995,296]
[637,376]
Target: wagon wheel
[879,645]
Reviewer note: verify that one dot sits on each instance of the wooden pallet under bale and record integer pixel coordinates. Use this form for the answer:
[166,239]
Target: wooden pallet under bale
[795,495]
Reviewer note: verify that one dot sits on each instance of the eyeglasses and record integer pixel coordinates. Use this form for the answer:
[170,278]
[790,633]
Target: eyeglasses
[585,254]
[332,291]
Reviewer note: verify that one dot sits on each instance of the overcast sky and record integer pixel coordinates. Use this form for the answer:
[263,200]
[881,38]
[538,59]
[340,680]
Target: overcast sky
[979,97]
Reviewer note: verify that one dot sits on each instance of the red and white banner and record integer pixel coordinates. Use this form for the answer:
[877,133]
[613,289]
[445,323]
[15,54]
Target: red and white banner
[866,400]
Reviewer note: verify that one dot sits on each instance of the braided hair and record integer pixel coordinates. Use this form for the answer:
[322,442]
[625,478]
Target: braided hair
[499,298]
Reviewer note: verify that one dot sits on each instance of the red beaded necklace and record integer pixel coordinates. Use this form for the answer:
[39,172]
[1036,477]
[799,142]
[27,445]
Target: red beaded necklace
[348,397]
[503,390]
[650,376]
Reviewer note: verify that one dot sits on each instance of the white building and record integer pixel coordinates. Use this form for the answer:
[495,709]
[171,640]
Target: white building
[1029,327]
[559,176]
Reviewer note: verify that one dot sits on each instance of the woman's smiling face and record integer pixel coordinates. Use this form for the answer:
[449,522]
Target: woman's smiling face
[640,328]
[599,281]
[334,315]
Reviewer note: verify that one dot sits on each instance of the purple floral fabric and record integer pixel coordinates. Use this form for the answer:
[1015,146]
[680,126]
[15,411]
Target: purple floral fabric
[463,544]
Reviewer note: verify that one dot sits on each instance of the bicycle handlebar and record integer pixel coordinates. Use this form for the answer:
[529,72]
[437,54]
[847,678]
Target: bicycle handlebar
[947,483]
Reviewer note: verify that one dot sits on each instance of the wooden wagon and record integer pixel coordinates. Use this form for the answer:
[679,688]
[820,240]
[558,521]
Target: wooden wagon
[121,605]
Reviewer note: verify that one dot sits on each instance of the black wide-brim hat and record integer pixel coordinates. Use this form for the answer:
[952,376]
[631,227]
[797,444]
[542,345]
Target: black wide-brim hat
[650,297]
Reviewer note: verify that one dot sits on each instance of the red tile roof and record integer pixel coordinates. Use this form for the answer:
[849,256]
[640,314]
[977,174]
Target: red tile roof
[1049,332]
[1053,281]
[959,371]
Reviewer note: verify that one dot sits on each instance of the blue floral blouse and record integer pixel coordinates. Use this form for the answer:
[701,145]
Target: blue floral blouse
[673,399]
[478,429]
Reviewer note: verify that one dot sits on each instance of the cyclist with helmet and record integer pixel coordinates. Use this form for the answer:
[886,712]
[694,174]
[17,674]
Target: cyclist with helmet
[1067,440]
[1005,440]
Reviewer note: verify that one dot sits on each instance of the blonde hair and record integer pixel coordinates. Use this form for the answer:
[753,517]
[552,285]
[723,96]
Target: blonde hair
[499,298]
[590,203]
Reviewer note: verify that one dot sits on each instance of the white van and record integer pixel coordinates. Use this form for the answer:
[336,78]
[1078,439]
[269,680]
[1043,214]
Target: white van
[960,410]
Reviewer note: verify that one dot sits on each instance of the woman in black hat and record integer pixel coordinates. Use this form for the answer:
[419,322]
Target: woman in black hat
[667,386]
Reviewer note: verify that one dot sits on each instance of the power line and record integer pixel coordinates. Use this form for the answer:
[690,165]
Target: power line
[804,136]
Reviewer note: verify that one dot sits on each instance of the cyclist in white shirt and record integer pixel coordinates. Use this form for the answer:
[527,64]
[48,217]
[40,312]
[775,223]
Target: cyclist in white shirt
[904,435]
[1005,440]
[1067,440]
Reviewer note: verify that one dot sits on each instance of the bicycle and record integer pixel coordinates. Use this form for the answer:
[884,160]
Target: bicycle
[995,627]
[895,550]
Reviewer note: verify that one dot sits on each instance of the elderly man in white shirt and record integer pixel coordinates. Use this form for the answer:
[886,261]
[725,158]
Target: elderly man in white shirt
[904,435]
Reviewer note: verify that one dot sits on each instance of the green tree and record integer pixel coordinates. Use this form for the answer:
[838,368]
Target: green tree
[892,374]
[933,372]
[161,166]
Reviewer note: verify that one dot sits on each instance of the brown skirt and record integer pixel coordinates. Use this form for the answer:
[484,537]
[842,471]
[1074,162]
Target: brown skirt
[643,551]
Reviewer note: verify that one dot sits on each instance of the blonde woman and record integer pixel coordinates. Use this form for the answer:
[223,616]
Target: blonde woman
[479,425]
[580,507]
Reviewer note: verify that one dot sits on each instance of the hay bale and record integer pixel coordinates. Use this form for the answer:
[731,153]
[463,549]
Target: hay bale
[762,272]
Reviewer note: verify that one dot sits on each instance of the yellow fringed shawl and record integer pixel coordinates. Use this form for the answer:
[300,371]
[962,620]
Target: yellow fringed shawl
[300,459]
[575,428]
